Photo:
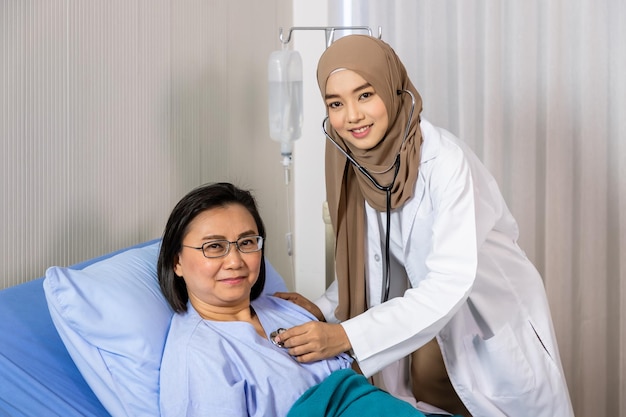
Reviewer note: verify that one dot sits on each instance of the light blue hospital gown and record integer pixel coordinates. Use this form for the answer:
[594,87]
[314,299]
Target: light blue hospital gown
[226,369]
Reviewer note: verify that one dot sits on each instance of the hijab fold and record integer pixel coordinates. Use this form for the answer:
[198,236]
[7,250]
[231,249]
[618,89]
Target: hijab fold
[347,189]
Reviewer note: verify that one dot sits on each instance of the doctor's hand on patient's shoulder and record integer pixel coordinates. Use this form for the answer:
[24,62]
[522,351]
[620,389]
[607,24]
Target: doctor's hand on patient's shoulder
[314,341]
[303,302]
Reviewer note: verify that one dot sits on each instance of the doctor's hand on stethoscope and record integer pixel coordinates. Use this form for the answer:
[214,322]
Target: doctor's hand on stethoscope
[315,340]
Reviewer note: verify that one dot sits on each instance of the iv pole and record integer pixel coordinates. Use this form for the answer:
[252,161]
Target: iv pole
[330,241]
[286,67]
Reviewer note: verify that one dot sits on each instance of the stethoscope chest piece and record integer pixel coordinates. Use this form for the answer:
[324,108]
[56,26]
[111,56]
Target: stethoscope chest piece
[276,333]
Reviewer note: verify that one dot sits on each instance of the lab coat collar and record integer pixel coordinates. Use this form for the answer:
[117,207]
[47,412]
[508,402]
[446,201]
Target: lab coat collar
[431,141]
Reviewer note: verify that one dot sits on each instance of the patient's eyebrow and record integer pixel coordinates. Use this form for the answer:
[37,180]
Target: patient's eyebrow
[212,237]
[359,88]
[221,237]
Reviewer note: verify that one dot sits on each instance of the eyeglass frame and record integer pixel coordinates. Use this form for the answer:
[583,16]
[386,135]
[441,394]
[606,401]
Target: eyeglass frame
[260,241]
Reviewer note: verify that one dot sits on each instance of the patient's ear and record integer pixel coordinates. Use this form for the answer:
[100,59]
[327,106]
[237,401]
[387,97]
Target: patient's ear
[178,268]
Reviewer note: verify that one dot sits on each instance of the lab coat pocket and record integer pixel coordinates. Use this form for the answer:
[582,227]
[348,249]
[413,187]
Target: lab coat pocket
[500,368]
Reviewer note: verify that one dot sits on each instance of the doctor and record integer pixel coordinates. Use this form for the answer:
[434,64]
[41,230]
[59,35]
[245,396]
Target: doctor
[433,297]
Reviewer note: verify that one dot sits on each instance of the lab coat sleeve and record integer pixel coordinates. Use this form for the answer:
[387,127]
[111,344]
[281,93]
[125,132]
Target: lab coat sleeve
[444,230]
[327,303]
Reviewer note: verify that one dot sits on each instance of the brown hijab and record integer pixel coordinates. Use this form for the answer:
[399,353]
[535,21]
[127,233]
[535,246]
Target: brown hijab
[346,188]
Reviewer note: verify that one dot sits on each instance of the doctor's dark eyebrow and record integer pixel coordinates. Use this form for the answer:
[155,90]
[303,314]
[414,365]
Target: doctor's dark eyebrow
[359,88]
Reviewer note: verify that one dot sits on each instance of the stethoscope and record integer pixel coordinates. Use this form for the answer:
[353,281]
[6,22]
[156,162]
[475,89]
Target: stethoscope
[386,188]
[276,333]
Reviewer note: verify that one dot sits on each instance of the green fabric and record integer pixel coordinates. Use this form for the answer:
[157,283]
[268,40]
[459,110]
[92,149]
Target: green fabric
[346,394]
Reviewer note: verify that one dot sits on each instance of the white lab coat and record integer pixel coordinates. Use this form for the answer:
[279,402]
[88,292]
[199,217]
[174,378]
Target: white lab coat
[454,246]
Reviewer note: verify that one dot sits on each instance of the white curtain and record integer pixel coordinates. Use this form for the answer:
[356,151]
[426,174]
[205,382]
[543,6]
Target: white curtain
[538,88]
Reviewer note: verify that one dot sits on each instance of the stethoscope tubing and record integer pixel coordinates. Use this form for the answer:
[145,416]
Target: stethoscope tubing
[386,188]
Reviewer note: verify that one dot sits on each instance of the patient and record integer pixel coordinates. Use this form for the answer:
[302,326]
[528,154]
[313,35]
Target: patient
[219,357]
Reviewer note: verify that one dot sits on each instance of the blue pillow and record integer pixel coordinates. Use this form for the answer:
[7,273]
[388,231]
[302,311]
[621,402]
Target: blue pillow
[113,320]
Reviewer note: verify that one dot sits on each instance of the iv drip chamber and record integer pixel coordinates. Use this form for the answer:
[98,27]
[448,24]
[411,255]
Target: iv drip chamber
[285,98]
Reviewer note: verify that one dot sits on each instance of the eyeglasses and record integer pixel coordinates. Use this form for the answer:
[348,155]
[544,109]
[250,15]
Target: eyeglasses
[221,247]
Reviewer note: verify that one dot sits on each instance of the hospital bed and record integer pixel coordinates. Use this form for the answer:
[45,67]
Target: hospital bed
[87,340]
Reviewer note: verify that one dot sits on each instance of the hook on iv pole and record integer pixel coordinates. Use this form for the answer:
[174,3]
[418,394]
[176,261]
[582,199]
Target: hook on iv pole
[330,32]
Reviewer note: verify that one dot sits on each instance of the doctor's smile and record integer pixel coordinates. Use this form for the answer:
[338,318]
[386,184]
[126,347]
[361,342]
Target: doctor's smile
[360,132]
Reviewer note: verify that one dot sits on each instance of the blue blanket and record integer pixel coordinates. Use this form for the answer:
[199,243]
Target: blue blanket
[346,394]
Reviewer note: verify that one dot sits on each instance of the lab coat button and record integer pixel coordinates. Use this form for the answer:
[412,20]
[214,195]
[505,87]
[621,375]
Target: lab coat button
[377,258]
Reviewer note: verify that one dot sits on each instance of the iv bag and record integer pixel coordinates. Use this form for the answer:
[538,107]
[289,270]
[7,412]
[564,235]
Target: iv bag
[285,98]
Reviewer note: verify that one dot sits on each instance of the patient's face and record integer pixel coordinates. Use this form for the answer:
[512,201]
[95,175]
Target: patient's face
[223,283]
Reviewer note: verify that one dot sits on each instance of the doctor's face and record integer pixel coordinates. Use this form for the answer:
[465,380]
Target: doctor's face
[225,281]
[355,111]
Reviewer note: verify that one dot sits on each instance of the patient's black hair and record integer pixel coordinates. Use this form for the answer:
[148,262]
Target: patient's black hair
[197,201]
